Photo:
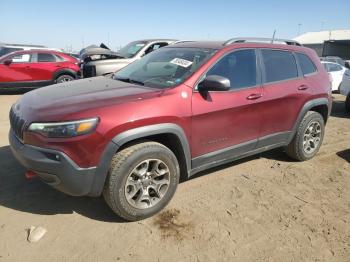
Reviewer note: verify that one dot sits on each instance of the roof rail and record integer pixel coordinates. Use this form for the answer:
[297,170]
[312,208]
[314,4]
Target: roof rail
[260,39]
[182,41]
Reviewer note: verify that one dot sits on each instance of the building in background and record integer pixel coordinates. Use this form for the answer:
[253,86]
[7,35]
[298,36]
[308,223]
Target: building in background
[328,43]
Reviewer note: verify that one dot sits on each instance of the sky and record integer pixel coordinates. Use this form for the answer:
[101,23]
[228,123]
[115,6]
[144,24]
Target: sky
[72,24]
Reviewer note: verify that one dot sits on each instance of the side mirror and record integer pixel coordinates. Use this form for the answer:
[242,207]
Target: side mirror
[7,62]
[214,83]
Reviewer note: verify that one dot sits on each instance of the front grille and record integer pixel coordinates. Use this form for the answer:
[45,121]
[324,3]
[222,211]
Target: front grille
[17,124]
[89,71]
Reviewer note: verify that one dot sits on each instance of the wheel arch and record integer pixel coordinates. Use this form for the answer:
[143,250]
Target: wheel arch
[320,105]
[169,134]
[65,71]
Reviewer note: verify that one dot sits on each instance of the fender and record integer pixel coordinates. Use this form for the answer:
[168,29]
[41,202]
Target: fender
[307,106]
[64,71]
[131,135]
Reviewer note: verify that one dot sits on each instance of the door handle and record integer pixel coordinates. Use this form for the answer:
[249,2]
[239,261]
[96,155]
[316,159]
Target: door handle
[254,96]
[27,67]
[303,87]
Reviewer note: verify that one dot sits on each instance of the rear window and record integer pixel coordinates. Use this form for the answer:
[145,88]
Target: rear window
[307,66]
[43,57]
[279,65]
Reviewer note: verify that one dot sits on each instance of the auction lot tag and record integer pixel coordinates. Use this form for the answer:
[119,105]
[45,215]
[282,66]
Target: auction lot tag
[181,62]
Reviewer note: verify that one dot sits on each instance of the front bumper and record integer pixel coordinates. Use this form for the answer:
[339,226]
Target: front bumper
[54,168]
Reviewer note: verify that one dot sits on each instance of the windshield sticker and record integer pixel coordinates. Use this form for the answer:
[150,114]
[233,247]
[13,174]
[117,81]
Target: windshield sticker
[181,62]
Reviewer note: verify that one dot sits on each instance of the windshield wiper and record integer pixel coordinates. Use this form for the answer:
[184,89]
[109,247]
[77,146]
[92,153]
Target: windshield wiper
[132,81]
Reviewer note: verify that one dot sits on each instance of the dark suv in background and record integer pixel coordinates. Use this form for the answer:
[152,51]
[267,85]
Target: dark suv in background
[182,109]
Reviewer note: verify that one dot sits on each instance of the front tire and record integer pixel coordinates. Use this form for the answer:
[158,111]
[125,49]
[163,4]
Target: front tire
[142,180]
[347,103]
[308,138]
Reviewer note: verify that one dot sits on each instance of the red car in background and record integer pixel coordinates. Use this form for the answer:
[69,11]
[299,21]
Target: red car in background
[36,68]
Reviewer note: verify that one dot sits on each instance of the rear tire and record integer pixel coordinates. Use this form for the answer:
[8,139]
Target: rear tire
[142,180]
[308,138]
[347,103]
[64,78]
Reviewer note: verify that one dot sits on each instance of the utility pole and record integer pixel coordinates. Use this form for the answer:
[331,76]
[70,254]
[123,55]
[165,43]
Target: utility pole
[299,28]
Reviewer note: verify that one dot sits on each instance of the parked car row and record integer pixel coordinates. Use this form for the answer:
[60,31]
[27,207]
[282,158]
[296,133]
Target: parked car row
[175,112]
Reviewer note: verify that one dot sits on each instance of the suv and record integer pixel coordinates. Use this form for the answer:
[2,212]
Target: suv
[99,61]
[177,111]
[36,68]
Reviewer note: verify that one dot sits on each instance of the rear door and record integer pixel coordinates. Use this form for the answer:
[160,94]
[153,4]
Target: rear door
[285,92]
[43,67]
[225,123]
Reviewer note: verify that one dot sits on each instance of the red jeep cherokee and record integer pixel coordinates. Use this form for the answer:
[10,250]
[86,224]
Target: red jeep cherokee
[179,110]
[36,68]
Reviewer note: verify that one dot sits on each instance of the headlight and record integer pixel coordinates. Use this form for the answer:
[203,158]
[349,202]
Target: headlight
[65,129]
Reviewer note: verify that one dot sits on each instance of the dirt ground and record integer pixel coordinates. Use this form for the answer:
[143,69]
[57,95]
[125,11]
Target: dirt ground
[264,208]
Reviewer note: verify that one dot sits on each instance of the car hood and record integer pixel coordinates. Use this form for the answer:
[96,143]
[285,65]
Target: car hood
[57,102]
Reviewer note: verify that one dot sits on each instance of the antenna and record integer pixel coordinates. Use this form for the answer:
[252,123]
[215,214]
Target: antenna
[273,36]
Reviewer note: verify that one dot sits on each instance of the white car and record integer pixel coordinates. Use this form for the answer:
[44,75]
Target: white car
[339,73]
[345,90]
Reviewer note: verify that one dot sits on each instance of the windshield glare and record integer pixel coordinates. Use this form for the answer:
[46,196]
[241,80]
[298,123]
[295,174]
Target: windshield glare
[131,49]
[165,67]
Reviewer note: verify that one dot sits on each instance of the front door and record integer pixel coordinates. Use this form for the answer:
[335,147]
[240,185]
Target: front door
[226,123]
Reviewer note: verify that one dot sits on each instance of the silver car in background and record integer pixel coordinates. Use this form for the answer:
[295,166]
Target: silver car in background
[97,61]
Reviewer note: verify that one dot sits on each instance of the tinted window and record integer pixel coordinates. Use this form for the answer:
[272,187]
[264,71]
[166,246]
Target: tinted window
[239,67]
[42,57]
[307,66]
[279,65]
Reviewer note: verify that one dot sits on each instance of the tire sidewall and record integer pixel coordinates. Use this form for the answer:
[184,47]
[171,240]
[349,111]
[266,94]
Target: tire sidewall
[310,118]
[62,76]
[118,191]
[347,103]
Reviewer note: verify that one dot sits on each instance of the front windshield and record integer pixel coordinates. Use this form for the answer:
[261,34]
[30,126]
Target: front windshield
[131,49]
[165,67]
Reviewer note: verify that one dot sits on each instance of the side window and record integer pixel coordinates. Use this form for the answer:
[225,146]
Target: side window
[59,58]
[239,67]
[334,67]
[155,47]
[307,66]
[44,57]
[279,65]
[20,58]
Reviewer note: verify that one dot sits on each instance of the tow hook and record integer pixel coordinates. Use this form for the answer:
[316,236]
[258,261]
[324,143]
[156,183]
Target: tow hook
[30,174]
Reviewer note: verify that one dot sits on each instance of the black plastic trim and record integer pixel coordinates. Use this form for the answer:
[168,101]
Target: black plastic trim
[54,167]
[131,135]
[64,71]
[25,84]
[307,106]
